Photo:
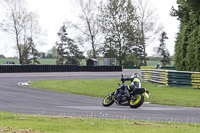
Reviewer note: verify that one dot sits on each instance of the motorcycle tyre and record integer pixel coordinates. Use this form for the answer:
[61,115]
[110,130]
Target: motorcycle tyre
[138,103]
[110,102]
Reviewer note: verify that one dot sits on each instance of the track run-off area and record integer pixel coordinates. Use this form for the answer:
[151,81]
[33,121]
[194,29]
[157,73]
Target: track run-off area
[19,99]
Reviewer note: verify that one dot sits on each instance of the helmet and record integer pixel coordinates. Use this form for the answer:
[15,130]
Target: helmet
[135,75]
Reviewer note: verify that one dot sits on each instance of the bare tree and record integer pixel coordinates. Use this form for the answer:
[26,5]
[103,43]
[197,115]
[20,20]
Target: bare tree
[88,26]
[147,25]
[21,25]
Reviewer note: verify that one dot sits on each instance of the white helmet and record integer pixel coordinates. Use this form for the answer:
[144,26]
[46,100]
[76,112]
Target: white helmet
[135,75]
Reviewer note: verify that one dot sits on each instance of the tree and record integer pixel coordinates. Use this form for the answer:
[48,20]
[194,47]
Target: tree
[187,48]
[52,53]
[132,60]
[30,53]
[73,55]
[138,54]
[42,55]
[88,26]
[118,20]
[194,4]
[2,56]
[162,49]
[147,25]
[33,52]
[109,50]
[60,46]
[66,49]
[21,25]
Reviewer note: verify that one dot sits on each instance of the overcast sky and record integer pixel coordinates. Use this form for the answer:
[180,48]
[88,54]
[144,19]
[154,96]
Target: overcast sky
[52,14]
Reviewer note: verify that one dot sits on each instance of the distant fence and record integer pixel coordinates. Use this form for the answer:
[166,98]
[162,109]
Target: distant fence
[172,78]
[57,68]
[131,67]
[149,67]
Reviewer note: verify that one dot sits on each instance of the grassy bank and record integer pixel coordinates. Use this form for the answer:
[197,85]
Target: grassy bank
[18,123]
[179,96]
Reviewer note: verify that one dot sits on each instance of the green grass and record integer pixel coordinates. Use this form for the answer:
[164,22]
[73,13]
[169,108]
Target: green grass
[42,61]
[155,62]
[47,61]
[18,123]
[4,60]
[79,86]
[179,96]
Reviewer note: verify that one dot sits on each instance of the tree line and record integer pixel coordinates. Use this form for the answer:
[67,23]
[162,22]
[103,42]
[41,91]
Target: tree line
[187,48]
[120,29]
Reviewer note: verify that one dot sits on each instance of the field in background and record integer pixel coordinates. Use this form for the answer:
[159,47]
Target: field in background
[155,62]
[42,61]
[151,62]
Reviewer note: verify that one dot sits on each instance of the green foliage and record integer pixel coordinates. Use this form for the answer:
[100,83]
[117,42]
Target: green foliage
[187,49]
[162,49]
[73,55]
[2,56]
[109,50]
[29,52]
[132,60]
[33,51]
[128,27]
[66,49]
[194,4]
[118,22]
[61,45]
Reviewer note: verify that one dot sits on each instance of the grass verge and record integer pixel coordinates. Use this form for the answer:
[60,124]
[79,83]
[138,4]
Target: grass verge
[160,94]
[18,123]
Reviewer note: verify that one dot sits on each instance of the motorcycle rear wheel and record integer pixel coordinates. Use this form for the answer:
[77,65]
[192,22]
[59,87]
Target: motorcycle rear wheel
[108,100]
[138,102]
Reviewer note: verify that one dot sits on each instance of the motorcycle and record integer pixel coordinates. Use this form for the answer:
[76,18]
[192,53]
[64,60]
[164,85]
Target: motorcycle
[126,96]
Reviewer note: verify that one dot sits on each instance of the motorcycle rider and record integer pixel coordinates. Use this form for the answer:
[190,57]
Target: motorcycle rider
[124,91]
[131,95]
[135,82]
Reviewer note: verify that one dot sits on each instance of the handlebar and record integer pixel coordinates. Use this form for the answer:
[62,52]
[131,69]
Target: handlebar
[122,76]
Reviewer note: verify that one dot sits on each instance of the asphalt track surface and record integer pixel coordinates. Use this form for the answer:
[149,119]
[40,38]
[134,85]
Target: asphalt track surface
[19,99]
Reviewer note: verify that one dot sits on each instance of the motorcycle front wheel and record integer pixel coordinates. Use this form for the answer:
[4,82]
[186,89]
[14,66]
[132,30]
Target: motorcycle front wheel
[138,102]
[108,100]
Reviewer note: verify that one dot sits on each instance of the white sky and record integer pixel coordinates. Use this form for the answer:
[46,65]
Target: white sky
[52,14]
